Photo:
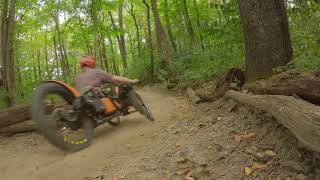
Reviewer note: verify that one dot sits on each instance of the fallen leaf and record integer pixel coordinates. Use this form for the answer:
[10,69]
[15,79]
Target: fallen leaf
[237,138]
[248,136]
[270,153]
[248,171]
[257,166]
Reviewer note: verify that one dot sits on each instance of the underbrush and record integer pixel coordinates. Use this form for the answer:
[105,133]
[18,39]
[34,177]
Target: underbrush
[190,66]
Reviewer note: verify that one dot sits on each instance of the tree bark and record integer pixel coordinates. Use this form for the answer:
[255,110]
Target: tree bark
[267,38]
[149,41]
[300,117]
[7,49]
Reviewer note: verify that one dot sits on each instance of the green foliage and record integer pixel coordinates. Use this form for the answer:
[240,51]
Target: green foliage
[216,25]
[304,22]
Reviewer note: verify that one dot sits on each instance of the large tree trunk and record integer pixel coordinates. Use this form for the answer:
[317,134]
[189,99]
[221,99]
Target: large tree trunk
[149,40]
[267,38]
[7,49]
[300,117]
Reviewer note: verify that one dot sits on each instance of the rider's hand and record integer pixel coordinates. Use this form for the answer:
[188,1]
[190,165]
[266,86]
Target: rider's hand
[135,81]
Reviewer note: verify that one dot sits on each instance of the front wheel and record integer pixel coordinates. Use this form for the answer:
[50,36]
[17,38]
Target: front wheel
[64,134]
[136,101]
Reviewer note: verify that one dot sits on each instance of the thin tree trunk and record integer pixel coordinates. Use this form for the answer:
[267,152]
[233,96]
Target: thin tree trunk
[188,22]
[104,55]
[39,65]
[95,31]
[89,49]
[198,24]
[61,48]
[56,55]
[267,38]
[131,47]
[149,41]
[115,69]
[133,14]
[168,23]
[122,45]
[120,42]
[46,55]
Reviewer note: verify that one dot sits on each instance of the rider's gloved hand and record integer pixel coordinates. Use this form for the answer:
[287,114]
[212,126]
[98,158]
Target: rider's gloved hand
[135,81]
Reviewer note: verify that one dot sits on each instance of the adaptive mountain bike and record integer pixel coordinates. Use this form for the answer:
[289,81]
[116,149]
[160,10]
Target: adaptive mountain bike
[68,119]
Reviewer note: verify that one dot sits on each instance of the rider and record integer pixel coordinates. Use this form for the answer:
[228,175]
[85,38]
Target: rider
[91,77]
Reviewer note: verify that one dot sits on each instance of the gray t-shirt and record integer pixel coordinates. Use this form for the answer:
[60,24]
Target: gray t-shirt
[92,77]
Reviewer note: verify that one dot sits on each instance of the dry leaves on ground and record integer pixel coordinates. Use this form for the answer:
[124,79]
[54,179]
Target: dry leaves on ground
[255,166]
[239,137]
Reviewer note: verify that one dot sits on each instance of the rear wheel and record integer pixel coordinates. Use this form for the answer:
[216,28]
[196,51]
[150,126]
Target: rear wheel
[136,101]
[68,135]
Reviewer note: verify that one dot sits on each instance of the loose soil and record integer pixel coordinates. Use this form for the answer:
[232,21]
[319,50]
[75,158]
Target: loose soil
[185,142]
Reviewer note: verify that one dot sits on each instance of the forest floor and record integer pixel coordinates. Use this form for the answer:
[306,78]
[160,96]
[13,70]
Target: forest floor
[217,140]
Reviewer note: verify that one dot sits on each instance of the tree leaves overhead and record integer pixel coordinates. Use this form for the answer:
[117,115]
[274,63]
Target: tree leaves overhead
[51,35]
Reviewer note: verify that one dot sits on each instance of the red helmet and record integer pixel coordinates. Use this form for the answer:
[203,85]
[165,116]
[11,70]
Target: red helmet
[88,61]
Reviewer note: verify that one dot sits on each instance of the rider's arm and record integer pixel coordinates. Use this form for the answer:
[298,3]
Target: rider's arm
[123,80]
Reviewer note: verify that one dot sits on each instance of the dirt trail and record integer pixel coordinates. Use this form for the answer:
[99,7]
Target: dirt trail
[185,142]
[31,157]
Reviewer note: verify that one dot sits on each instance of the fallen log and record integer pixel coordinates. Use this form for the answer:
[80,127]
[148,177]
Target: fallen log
[23,127]
[300,117]
[14,115]
[192,96]
[17,114]
[305,86]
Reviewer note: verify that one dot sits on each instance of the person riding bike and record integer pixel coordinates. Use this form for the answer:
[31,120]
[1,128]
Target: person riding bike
[91,79]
